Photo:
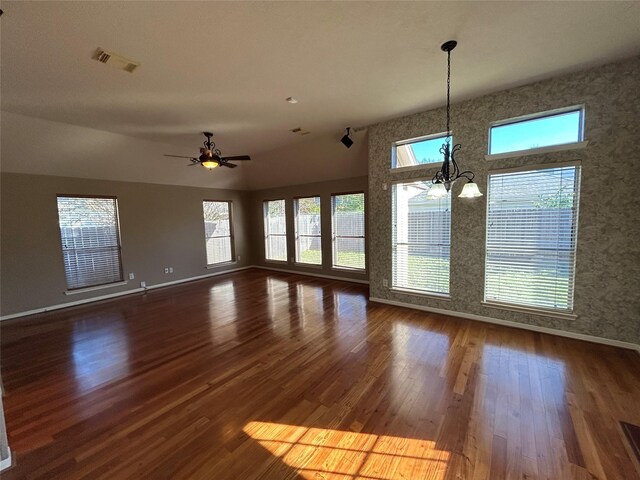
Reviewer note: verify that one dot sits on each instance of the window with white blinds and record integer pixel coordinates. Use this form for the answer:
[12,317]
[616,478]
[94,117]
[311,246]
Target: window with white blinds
[275,230]
[421,239]
[347,221]
[532,219]
[90,238]
[218,232]
[308,231]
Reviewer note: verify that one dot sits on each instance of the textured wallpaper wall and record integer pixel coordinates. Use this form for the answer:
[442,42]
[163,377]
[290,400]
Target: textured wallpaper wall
[607,294]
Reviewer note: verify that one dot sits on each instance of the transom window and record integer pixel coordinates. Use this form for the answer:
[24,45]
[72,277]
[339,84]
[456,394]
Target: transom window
[90,237]
[421,239]
[418,151]
[537,131]
[347,221]
[218,231]
[532,219]
[275,230]
[308,230]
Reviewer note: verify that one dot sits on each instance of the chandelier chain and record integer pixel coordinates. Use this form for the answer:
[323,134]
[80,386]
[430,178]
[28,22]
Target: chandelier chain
[448,94]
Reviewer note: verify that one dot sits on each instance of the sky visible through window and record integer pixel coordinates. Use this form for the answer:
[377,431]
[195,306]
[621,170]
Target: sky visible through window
[539,132]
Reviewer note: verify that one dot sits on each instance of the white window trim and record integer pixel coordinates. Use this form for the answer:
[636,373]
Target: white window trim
[267,234]
[421,293]
[568,315]
[535,116]
[95,287]
[296,235]
[231,236]
[538,151]
[343,268]
[422,166]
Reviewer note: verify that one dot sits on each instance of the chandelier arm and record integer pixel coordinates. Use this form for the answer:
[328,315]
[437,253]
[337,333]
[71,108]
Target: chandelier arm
[468,174]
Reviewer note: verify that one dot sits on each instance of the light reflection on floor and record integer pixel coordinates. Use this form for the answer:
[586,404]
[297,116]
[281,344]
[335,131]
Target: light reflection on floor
[325,453]
[100,353]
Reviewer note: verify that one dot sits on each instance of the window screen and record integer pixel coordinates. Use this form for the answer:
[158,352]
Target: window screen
[543,130]
[217,231]
[275,230]
[421,239]
[348,231]
[531,237]
[308,231]
[90,240]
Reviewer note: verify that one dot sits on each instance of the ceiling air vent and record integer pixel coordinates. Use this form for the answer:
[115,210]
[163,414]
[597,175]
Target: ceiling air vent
[300,131]
[115,60]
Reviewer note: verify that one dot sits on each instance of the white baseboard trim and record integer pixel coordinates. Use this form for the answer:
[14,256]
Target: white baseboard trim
[6,463]
[508,323]
[118,294]
[311,274]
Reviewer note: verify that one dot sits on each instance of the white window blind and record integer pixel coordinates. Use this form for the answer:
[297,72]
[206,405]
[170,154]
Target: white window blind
[531,237]
[275,230]
[308,231]
[90,240]
[348,231]
[421,239]
[218,231]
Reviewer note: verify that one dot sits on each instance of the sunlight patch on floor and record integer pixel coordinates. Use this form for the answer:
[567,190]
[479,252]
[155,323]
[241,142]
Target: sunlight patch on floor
[325,453]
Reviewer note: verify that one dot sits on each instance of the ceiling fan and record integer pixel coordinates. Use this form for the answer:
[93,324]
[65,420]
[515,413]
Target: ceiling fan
[211,157]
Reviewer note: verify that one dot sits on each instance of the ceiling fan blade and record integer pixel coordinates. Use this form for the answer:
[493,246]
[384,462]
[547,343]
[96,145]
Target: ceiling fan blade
[179,156]
[239,157]
[193,164]
[230,165]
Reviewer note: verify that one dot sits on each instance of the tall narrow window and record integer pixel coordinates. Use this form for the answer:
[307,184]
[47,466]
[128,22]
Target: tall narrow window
[532,219]
[218,231]
[90,240]
[275,230]
[308,231]
[421,239]
[348,231]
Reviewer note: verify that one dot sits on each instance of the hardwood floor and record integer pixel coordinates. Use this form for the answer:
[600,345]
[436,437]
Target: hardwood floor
[265,375]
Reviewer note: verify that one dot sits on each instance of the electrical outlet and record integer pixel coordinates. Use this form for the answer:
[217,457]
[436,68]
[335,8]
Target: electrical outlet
[238,257]
[170,269]
[131,276]
[385,282]
[143,284]
[166,269]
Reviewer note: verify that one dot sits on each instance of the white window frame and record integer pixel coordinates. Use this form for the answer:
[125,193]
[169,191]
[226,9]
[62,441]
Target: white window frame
[94,286]
[231,235]
[580,143]
[536,310]
[422,166]
[414,291]
[297,235]
[334,236]
[267,233]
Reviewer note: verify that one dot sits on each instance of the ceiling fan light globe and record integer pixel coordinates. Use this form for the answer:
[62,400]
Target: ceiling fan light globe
[210,164]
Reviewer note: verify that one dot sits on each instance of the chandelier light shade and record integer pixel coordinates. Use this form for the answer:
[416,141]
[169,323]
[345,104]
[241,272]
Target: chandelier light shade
[450,171]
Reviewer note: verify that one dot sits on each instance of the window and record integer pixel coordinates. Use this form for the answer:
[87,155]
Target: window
[90,240]
[421,239]
[308,231]
[275,230]
[531,237]
[540,130]
[218,232]
[348,231]
[418,151]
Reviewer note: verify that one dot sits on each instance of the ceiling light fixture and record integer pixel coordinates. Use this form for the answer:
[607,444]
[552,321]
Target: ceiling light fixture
[346,139]
[291,100]
[450,172]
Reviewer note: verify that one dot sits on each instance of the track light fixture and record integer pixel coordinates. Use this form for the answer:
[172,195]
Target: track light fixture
[346,139]
[450,172]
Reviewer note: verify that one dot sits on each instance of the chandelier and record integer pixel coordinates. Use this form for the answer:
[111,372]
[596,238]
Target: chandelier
[450,172]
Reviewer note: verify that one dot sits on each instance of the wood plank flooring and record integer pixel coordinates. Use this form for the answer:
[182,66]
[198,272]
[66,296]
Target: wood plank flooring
[260,375]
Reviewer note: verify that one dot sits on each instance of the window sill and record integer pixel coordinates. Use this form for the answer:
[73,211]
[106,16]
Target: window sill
[221,264]
[97,287]
[411,168]
[533,311]
[276,262]
[360,271]
[418,293]
[537,151]
[307,265]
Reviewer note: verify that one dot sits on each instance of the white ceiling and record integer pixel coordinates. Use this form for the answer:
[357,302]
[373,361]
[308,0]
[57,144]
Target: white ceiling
[228,67]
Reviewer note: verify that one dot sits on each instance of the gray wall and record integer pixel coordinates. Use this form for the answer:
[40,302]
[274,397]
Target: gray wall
[607,295]
[324,190]
[160,226]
